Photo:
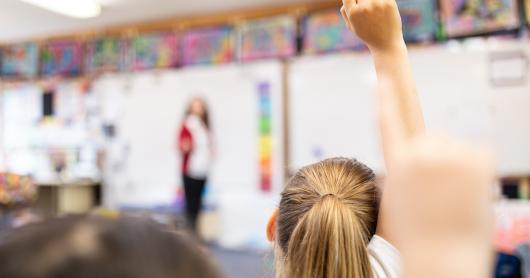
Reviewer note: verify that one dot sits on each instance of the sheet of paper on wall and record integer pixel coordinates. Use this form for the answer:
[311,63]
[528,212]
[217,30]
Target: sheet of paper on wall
[509,69]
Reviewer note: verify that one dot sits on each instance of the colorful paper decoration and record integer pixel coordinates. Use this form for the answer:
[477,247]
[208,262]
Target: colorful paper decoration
[471,17]
[16,190]
[265,139]
[326,32]
[208,46]
[268,38]
[419,19]
[106,54]
[155,51]
[64,58]
[20,61]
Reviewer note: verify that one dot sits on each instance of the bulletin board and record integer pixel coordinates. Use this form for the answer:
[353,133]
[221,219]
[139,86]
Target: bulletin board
[333,114]
[63,58]
[471,17]
[20,61]
[147,110]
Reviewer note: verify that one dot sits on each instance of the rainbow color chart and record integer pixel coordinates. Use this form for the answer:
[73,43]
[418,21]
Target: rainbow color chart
[154,51]
[470,17]
[270,38]
[64,58]
[20,60]
[208,46]
[327,32]
[265,137]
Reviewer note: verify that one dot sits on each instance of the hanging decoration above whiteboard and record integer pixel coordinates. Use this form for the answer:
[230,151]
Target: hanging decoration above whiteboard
[154,51]
[472,17]
[208,46]
[20,61]
[63,58]
[267,38]
[327,32]
[419,22]
[106,54]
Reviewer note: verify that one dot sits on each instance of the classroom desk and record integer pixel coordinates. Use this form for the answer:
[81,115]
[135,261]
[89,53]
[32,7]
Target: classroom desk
[65,197]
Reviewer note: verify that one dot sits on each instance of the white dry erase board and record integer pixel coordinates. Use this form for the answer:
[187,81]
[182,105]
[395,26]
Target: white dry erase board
[331,105]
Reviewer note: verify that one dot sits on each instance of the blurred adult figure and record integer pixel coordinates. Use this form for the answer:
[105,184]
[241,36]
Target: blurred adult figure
[195,145]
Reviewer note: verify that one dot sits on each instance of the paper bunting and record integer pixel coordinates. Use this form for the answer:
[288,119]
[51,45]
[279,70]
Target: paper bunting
[20,61]
[208,46]
[62,58]
[419,20]
[106,54]
[268,38]
[327,32]
[156,50]
[472,17]
[265,139]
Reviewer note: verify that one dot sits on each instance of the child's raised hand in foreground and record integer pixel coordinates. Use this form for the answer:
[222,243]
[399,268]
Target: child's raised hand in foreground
[376,22]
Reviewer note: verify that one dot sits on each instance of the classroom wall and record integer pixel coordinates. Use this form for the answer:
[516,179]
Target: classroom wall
[332,104]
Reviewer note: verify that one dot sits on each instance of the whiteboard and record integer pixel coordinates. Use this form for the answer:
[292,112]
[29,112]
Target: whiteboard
[143,163]
[331,106]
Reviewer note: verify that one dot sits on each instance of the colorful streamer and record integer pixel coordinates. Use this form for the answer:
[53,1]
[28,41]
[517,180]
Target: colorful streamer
[62,58]
[155,51]
[20,61]
[208,46]
[419,22]
[327,32]
[471,17]
[106,54]
[268,38]
[265,139]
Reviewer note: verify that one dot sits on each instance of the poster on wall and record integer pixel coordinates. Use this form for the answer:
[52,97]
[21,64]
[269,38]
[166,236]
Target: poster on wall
[155,51]
[64,58]
[268,38]
[419,19]
[327,32]
[208,46]
[20,61]
[106,54]
[472,17]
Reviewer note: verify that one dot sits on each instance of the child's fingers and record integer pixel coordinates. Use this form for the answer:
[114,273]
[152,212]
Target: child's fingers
[392,129]
[346,18]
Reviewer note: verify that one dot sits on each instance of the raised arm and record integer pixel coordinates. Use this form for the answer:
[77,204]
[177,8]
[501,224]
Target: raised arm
[378,24]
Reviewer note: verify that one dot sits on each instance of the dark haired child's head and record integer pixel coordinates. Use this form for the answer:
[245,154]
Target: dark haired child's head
[78,247]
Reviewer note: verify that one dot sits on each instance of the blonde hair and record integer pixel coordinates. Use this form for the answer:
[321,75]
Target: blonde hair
[327,216]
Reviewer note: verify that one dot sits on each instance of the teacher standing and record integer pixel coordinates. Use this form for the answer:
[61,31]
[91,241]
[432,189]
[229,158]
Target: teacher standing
[195,145]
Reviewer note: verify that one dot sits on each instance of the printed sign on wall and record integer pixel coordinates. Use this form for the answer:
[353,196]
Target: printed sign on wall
[156,50]
[470,17]
[19,61]
[268,38]
[64,58]
[326,32]
[208,46]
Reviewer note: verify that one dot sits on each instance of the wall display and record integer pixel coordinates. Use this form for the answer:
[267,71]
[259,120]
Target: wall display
[156,50]
[267,38]
[64,58]
[106,54]
[471,17]
[20,61]
[419,19]
[327,32]
[208,46]
[265,140]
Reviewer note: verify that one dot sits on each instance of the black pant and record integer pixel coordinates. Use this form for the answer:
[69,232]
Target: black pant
[193,190]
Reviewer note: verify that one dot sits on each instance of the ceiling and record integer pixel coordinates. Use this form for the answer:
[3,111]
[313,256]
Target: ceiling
[20,21]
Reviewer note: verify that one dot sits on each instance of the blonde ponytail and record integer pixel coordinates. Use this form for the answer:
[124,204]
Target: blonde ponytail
[327,217]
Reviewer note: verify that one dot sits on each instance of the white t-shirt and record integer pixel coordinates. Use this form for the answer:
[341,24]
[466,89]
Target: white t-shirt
[384,258]
[200,156]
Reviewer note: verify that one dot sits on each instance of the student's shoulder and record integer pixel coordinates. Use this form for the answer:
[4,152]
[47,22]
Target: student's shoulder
[384,258]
